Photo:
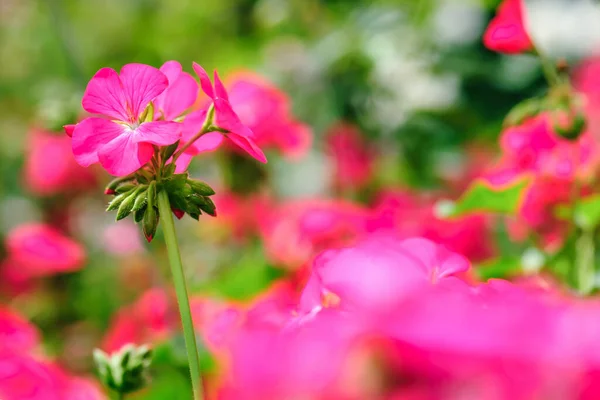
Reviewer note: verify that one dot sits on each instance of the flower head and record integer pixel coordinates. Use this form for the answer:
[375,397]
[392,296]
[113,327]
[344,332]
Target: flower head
[120,139]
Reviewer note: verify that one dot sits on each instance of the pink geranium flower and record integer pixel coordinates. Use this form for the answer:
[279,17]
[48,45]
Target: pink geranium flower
[119,140]
[224,118]
[507,33]
[38,250]
[17,331]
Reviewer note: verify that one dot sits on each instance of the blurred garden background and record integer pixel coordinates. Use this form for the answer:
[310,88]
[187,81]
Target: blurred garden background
[390,96]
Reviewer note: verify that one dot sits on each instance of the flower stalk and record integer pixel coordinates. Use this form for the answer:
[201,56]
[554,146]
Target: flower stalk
[166,219]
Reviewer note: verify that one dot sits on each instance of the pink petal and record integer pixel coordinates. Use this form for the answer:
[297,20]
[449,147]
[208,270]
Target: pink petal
[208,142]
[161,133]
[90,135]
[219,88]
[141,83]
[248,146]
[204,80]
[183,162]
[69,129]
[179,96]
[105,95]
[171,69]
[123,155]
[192,124]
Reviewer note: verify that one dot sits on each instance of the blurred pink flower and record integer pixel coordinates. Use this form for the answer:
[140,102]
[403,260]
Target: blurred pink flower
[407,214]
[49,167]
[149,320]
[38,250]
[352,158]
[293,232]
[266,110]
[17,332]
[224,118]
[120,141]
[377,273]
[507,31]
[122,238]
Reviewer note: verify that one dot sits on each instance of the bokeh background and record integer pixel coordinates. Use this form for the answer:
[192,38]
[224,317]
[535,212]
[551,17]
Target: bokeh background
[412,77]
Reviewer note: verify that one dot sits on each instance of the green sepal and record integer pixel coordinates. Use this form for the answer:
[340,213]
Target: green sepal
[126,187]
[148,114]
[140,200]
[138,215]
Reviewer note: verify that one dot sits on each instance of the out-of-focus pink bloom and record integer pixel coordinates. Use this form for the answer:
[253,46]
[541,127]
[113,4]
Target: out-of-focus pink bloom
[373,276]
[586,80]
[406,214]
[23,377]
[224,118]
[122,238]
[120,141]
[16,332]
[148,320]
[351,155]
[296,231]
[39,250]
[50,168]
[266,110]
[507,32]
[179,96]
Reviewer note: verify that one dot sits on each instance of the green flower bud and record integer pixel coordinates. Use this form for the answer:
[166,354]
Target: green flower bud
[126,370]
[200,188]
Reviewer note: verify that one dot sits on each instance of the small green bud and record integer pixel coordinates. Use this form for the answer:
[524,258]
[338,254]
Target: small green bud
[140,200]
[126,187]
[150,223]
[200,188]
[138,215]
[116,202]
[151,194]
[205,204]
[127,204]
[126,370]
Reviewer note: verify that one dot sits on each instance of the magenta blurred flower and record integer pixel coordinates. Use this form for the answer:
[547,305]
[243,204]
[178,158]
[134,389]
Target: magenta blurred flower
[266,110]
[225,119]
[352,159]
[121,141]
[38,250]
[149,320]
[49,167]
[17,332]
[507,32]
[122,239]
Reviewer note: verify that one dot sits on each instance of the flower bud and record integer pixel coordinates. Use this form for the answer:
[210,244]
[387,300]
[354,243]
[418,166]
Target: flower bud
[568,124]
[200,188]
[150,222]
[127,204]
[126,370]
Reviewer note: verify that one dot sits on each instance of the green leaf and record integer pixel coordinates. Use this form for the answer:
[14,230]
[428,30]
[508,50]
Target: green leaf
[481,197]
[502,267]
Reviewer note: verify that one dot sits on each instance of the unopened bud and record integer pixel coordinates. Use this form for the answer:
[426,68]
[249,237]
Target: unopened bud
[126,370]
[200,188]
[150,223]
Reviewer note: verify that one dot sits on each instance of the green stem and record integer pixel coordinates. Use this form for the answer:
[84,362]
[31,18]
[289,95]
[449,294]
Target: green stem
[166,219]
[549,70]
[585,262]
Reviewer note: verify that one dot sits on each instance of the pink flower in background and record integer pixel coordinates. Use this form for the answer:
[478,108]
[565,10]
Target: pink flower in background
[376,274]
[224,118]
[507,32]
[49,167]
[407,214]
[122,238]
[353,160]
[148,320]
[293,232]
[120,141]
[180,95]
[38,250]
[17,332]
[266,110]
